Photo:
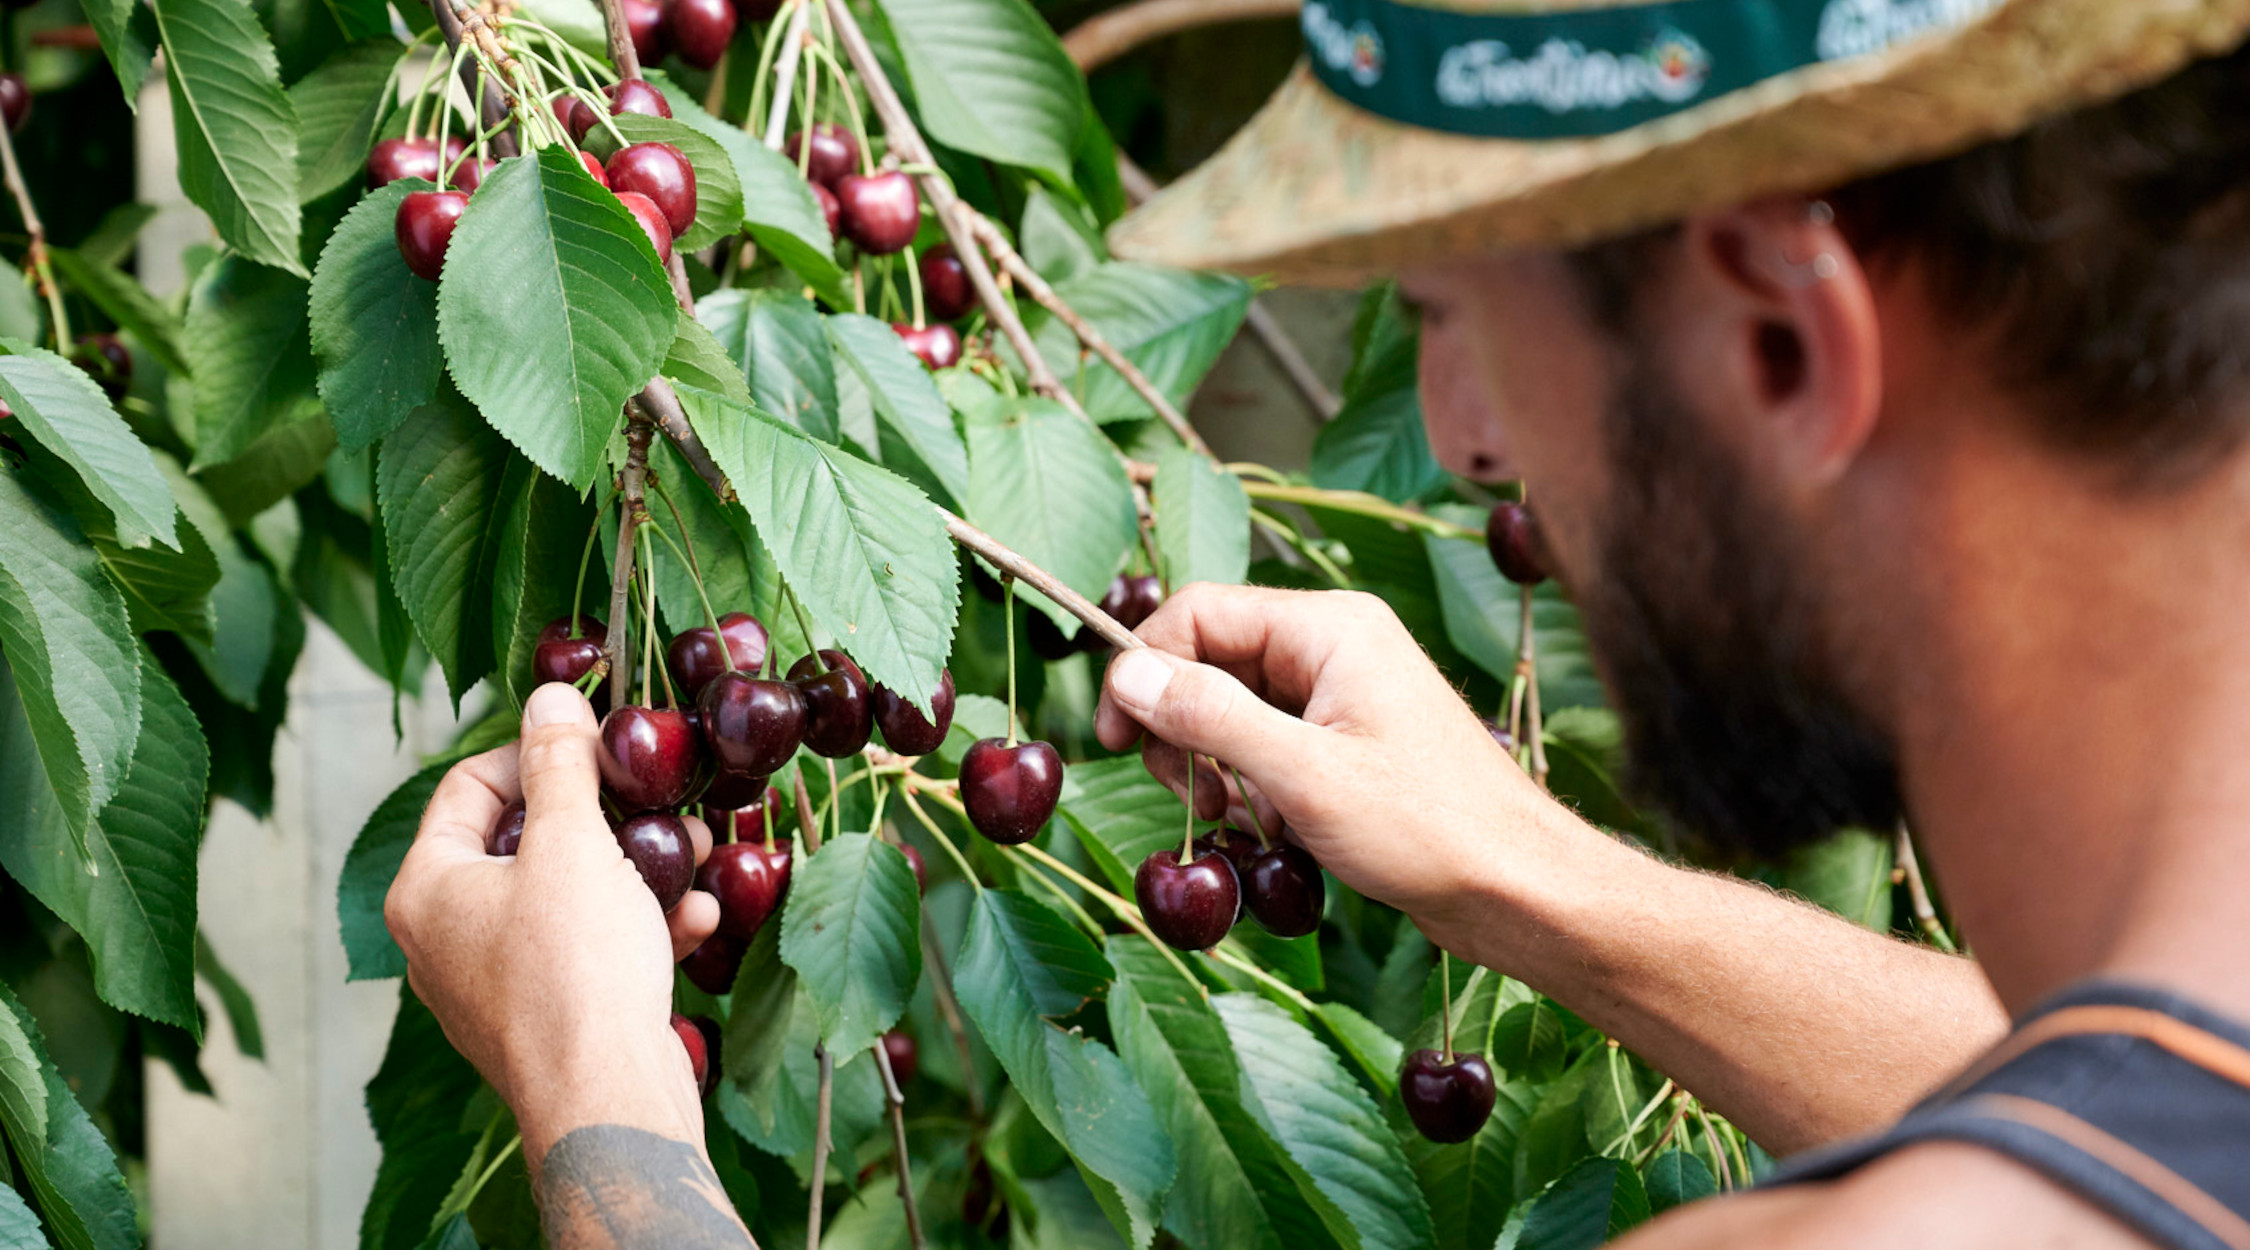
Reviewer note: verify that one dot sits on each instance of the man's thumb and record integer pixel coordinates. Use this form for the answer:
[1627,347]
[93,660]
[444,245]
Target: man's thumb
[558,764]
[1202,709]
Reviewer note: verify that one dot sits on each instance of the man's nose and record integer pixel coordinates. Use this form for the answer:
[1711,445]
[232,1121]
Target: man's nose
[1464,427]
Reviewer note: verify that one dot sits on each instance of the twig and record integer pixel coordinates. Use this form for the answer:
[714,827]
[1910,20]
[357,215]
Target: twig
[36,255]
[1099,40]
[941,989]
[1679,1113]
[663,406]
[1918,892]
[492,107]
[1040,580]
[631,510]
[676,270]
[1534,728]
[820,1145]
[807,826]
[627,59]
[785,73]
[1358,503]
[897,1099]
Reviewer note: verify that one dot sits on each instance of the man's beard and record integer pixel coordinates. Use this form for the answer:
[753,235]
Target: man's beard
[1736,723]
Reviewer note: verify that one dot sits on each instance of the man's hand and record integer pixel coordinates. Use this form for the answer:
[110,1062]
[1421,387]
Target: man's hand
[550,970]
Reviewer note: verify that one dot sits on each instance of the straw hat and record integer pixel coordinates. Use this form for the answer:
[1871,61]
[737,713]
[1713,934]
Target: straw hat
[1411,133]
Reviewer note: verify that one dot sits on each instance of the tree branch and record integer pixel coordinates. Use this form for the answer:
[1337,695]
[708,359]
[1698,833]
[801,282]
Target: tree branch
[631,508]
[897,1098]
[1039,579]
[492,106]
[820,1139]
[621,51]
[36,254]
[663,405]
[1101,39]
[1918,893]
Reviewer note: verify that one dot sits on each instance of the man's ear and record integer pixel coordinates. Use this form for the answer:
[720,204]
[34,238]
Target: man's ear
[1799,347]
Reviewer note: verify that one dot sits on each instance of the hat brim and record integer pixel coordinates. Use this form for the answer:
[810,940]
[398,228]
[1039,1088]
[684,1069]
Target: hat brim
[1317,192]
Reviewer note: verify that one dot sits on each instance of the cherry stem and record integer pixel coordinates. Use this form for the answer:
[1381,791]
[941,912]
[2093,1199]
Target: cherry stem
[1187,842]
[648,640]
[804,624]
[897,1099]
[906,795]
[1445,1004]
[1534,732]
[805,824]
[1008,606]
[913,284]
[778,37]
[1085,919]
[1125,910]
[836,799]
[765,817]
[687,557]
[586,557]
[1257,826]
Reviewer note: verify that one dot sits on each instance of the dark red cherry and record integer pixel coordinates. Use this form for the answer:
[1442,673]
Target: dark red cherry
[881,212]
[566,660]
[694,654]
[736,802]
[653,222]
[830,211]
[563,105]
[106,360]
[752,726]
[1233,843]
[507,831]
[698,1036]
[749,881]
[469,173]
[1131,600]
[905,1056]
[1192,905]
[393,159]
[946,290]
[634,95]
[594,168]
[581,626]
[938,344]
[1512,536]
[700,30]
[658,845]
[15,101]
[905,730]
[835,153]
[837,719]
[921,870]
[1283,890]
[1010,791]
[649,756]
[424,228]
[662,173]
[758,10]
[1448,1102]
[712,966]
[645,21]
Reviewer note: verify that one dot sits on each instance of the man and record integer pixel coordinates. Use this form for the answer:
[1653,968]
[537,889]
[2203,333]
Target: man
[1895,476]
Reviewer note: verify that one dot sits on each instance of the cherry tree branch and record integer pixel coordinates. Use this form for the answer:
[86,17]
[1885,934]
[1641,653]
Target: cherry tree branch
[36,254]
[622,54]
[1918,892]
[1000,557]
[663,406]
[631,508]
[820,1142]
[456,21]
[897,1099]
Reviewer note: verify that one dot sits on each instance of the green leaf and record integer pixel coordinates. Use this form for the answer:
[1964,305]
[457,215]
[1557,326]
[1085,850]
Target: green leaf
[245,603]
[1055,241]
[1470,1185]
[340,109]
[23,1088]
[247,338]
[1363,1042]
[543,528]
[788,1110]
[135,903]
[284,458]
[718,190]
[19,1228]
[1376,443]
[1555,1137]
[1021,965]
[64,633]
[373,861]
[853,933]
[234,126]
[781,343]
[1849,874]
[1171,323]
[416,1102]
[863,549]
[242,1012]
[1345,1159]
[756,1042]
[125,301]
[697,360]
[437,478]
[719,537]
[1591,1203]
[1045,484]
[65,412]
[68,1165]
[553,310]
[373,324]
[127,38]
[1202,520]
[1528,1040]
[778,208]
[991,79]
[907,404]
[165,589]
[1676,1178]
[1120,814]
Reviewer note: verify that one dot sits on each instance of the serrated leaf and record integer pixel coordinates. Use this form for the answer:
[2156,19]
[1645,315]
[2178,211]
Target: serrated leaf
[248,341]
[135,905]
[553,310]
[284,458]
[1676,1178]
[415,1102]
[907,405]
[542,532]
[756,1042]
[1344,1157]
[1055,242]
[165,589]
[1848,873]
[19,1228]
[125,301]
[853,933]
[128,38]
[780,342]
[697,360]
[69,1166]
[1376,442]
[863,549]
[1171,323]
[718,189]
[369,951]
[64,633]
[245,603]
[66,413]
[1588,1205]
[436,480]
[778,208]
[1046,485]
[373,324]
[1120,814]
[1471,1185]
[340,108]
[1020,964]
[242,1012]
[1363,1041]
[1202,520]
[991,79]
[23,1089]
[236,131]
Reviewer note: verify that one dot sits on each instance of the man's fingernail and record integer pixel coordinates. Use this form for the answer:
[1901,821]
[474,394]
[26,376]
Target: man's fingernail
[554,704]
[1138,678]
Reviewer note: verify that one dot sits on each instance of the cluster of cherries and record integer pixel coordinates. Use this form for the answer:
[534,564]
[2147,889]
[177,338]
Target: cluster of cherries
[654,181]
[1193,904]
[699,30]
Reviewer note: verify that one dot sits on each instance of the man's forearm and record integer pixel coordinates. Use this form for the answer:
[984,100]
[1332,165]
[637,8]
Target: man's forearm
[1797,1025]
[609,1187]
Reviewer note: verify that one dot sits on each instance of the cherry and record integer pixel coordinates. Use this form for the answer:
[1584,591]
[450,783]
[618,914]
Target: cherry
[700,1036]
[15,101]
[712,966]
[835,153]
[1132,600]
[830,211]
[905,1056]
[921,870]
[749,881]
[662,173]
[1237,846]
[394,159]
[751,725]
[905,730]
[633,95]
[837,720]
[1512,536]
[470,173]
[700,30]
[1010,791]
[759,10]
[946,290]
[649,756]
[881,211]
[938,344]
[981,1207]
[1448,1102]
[658,844]
[1283,890]
[1047,640]
[1192,905]
[562,105]
[1501,735]
[424,227]
[566,660]
[694,653]
[653,222]
[594,168]
[737,802]
[507,831]
[645,21]
[581,625]
[106,360]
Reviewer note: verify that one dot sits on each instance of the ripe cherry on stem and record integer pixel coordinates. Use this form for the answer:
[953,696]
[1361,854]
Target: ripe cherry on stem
[749,881]
[15,101]
[507,831]
[946,290]
[1512,537]
[838,721]
[711,967]
[696,658]
[700,30]
[425,226]
[662,173]
[1447,1096]
[659,846]
[649,756]
[881,211]
[905,730]
[834,154]
[653,222]
[644,20]
[937,344]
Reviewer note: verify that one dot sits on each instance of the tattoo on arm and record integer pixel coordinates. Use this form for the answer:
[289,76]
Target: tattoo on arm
[608,1187]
